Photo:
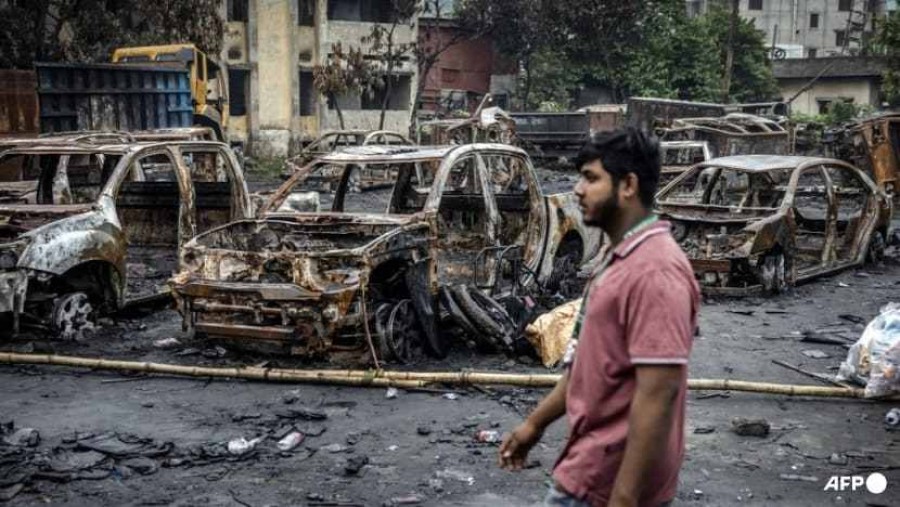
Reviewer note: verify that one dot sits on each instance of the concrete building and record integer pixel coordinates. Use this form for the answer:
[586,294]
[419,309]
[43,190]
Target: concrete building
[809,28]
[271,47]
[840,79]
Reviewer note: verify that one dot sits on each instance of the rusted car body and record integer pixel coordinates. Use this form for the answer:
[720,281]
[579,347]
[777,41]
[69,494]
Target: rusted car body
[84,228]
[311,282]
[99,137]
[339,139]
[873,145]
[488,125]
[732,134]
[764,222]
[678,156]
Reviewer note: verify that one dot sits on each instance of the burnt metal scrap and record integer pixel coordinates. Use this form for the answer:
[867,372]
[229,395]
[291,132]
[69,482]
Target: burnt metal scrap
[370,267]
[75,217]
[873,145]
[764,222]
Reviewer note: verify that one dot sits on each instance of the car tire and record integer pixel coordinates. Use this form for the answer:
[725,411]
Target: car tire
[875,250]
[488,316]
[773,272]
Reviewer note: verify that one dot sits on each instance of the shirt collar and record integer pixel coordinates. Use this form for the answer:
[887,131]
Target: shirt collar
[629,244]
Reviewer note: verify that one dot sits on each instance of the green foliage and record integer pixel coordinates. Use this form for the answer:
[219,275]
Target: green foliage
[839,113]
[88,31]
[887,41]
[752,78]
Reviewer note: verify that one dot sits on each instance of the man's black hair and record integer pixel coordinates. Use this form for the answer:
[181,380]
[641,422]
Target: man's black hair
[624,151]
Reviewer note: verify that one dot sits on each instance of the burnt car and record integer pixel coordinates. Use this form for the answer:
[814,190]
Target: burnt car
[766,222]
[678,156]
[86,228]
[340,139]
[372,265]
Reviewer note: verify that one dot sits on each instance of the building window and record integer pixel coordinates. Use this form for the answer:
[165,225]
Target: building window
[238,90]
[814,20]
[237,10]
[811,53]
[306,12]
[845,5]
[839,38]
[307,93]
[371,11]
[399,99]
[755,5]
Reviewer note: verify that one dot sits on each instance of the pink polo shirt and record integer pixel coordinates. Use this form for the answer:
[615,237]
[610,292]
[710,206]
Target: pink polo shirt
[641,310]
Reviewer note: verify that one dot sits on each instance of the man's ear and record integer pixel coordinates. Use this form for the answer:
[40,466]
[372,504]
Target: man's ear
[629,186]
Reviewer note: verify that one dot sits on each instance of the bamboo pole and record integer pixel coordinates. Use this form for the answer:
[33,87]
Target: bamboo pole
[410,380]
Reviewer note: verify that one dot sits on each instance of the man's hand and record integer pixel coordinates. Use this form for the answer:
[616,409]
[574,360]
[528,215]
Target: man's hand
[515,446]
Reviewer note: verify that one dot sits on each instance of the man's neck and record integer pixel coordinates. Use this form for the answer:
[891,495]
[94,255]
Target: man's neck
[628,219]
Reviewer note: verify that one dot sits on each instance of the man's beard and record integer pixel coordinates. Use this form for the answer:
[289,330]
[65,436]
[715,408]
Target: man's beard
[607,215]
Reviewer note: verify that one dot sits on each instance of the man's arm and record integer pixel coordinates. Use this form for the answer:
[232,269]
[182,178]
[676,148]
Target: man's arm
[516,445]
[649,424]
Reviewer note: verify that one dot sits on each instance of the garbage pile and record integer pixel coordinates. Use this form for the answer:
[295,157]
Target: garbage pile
[874,360]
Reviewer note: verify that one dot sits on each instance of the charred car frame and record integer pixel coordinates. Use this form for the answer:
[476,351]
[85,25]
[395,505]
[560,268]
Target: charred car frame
[371,267]
[767,222]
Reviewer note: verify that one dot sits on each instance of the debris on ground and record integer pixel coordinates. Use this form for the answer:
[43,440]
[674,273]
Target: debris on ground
[874,360]
[488,437]
[167,343]
[241,446]
[456,475]
[892,418]
[290,441]
[750,427]
[391,393]
[815,354]
[355,464]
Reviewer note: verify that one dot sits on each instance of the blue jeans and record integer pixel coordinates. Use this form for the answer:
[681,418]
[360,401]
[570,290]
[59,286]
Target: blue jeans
[557,498]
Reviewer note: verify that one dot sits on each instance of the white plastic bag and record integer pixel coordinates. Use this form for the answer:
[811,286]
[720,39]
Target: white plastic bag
[874,360]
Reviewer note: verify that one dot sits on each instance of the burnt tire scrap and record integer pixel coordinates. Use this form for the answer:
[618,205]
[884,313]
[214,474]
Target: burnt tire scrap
[458,317]
[487,315]
[564,278]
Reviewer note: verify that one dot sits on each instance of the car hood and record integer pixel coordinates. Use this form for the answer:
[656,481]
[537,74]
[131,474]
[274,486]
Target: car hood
[20,219]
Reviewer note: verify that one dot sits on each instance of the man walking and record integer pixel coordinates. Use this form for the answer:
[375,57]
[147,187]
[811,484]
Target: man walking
[625,380]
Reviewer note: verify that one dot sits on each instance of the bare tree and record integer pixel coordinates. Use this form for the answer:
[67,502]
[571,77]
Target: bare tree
[342,73]
[387,52]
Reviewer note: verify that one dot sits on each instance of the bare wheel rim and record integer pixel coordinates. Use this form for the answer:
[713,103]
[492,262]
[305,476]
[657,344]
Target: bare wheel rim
[401,330]
[72,315]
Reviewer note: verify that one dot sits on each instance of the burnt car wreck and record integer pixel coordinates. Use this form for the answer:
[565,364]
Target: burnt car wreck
[86,228]
[761,222]
[372,267]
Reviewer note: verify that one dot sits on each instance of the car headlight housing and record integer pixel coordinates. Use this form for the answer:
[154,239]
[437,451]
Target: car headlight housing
[10,254]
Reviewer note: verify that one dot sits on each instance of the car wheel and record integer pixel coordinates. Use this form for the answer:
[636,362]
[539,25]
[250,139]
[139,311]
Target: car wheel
[72,316]
[875,251]
[773,270]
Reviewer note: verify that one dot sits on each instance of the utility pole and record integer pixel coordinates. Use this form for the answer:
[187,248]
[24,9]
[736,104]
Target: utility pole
[729,51]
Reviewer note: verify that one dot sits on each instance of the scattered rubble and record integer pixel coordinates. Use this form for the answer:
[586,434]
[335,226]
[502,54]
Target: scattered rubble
[750,427]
